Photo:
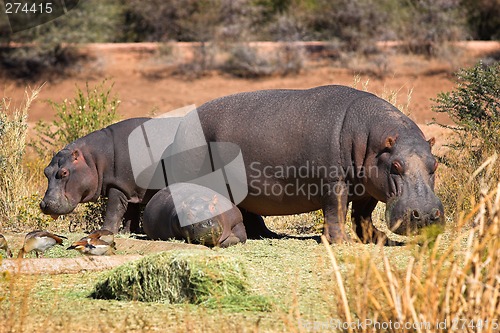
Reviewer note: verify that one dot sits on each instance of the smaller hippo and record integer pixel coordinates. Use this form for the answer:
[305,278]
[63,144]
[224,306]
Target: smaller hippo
[220,221]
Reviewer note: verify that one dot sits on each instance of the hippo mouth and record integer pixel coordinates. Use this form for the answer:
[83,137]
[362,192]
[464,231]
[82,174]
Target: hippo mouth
[56,209]
[410,221]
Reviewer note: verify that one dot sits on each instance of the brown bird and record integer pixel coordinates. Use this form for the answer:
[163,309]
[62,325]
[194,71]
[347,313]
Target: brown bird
[92,246]
[99,242]
[4,246]
[102,234]
[39,241]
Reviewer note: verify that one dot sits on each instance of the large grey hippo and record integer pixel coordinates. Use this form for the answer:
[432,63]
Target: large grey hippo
[303,150]
[324,147]
[208,218]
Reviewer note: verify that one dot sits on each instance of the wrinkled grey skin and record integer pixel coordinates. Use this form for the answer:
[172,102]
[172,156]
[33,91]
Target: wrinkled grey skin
[367,142]
[355,141]
[161,219]
[93,166]
[99,165]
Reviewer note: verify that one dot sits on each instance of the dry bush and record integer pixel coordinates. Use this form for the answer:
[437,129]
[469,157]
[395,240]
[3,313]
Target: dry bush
[356,25]
[18,197]
[201,63]
[298,224]
[429,25]
[290,59]
[246,61]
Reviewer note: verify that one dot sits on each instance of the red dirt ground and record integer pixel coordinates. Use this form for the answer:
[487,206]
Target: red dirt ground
[133,69]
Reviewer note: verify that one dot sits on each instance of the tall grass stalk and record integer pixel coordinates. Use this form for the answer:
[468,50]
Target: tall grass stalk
[14,182]
[449,284]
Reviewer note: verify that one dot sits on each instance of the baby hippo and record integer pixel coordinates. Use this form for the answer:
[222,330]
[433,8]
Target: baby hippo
[194,213]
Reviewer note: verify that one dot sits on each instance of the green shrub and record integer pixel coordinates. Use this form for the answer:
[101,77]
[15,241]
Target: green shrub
[88,217]
[474,107]
[91,110]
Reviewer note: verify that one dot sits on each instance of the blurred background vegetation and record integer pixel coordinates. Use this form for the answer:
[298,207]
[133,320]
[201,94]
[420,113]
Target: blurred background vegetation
[422,26]
[348,20]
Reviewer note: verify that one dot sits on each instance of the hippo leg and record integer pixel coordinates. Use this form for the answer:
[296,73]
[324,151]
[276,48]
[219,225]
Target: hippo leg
[255,226]
[362,220]
[116,208]
[132,218]
[335,210]
[238,235]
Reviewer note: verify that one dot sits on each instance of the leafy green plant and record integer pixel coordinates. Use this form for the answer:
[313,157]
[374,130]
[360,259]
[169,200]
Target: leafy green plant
[91,109]
[474,107]
[88,217]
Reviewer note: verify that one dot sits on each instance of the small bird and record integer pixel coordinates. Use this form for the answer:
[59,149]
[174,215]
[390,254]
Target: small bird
[92,246]
[4,246]
[39,241]
[99,242]
[104,235]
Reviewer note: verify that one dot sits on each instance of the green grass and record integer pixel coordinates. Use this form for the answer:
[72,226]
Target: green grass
[186,276]
[295,274]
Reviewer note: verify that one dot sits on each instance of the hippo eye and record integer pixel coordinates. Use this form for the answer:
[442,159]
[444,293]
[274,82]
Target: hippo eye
[62,173]
[397,168]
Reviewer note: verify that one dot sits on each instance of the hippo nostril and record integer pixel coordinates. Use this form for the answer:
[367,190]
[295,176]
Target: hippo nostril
[436,214]
[43,205]
[415,214]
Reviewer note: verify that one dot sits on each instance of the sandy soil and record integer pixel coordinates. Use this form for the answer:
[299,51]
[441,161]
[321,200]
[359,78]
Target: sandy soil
[130,249]
[143,87]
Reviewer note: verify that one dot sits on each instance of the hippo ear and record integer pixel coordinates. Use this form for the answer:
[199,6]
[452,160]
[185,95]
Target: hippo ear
[390,142]
[212,207]
[76,154]
[431,141]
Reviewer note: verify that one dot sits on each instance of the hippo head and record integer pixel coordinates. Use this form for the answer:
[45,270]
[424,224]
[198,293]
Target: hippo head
[70,181]
[405,181]
[200,211]
[202,220]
